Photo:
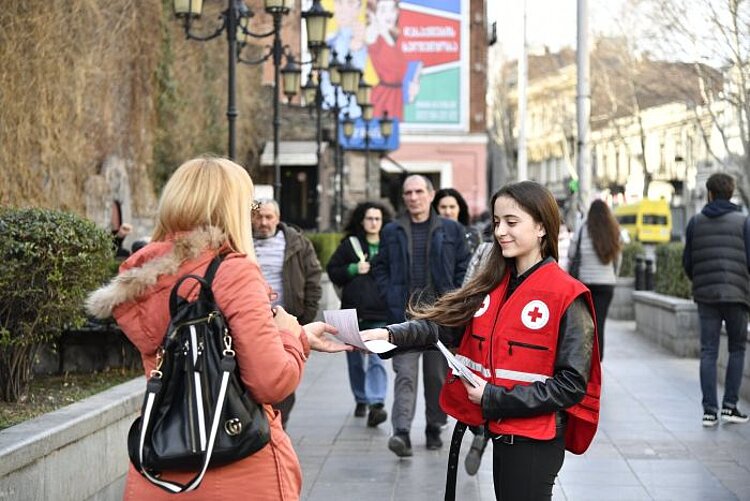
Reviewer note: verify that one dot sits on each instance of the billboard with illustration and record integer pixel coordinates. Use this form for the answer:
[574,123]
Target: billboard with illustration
[413,52]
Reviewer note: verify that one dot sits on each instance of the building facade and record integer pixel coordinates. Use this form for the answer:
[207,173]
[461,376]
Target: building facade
[653,128]
[428,72]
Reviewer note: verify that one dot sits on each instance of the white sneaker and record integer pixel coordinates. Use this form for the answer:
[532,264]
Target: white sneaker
[710,419]
[733,416]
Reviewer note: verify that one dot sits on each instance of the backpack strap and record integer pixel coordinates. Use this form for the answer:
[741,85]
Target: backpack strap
[205,282]
[450,477]
[212,268]
[354,241]
[208,277]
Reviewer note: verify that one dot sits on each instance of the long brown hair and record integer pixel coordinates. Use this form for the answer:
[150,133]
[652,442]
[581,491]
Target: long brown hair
[456,308]
[603,231]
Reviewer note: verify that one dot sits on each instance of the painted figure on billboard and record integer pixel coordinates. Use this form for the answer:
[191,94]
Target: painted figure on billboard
[398,77]
[413,54]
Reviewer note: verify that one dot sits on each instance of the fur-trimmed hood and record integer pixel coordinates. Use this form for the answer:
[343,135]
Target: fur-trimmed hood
[143,269]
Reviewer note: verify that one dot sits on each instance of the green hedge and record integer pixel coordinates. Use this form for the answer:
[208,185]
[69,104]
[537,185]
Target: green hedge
[670,277]
[325,244]
[49,261]
[629,252]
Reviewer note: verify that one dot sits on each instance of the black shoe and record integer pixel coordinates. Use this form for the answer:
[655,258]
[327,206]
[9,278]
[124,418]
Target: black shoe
[733,415]
[400,444]
[474,457]
[360,410]
[434,442]
[377,415]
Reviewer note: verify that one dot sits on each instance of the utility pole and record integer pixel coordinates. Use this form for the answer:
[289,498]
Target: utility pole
[523,76]
[583,108]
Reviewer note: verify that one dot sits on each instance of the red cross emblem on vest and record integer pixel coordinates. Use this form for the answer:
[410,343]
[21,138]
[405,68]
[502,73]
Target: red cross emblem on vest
[535,314]
[484,307]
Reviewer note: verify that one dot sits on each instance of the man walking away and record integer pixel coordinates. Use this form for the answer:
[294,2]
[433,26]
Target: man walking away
[716,259]
[291,267]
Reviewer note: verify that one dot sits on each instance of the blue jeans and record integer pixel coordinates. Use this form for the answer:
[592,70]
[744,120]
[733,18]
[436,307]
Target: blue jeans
[734,316]
[369,384]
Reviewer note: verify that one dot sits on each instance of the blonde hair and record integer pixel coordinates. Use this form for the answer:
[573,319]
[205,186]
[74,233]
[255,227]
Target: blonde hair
[205,192]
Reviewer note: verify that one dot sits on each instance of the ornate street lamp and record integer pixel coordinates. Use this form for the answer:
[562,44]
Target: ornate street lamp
[386,125]
[364,93]
[278,6]
[290,76]
[321,57]
[310,92]
[348,125]
[235,14]
[364,100]
[345,83]
[350,76]
[316,22]
[316,18]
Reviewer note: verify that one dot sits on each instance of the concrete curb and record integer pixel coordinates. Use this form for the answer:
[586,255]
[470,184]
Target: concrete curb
[77,437]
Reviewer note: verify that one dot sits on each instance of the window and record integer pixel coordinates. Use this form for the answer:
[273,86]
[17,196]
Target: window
[654,219]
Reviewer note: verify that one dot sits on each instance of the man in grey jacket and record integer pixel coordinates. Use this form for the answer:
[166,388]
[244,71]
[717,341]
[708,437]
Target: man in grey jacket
[717,260]
[291,267]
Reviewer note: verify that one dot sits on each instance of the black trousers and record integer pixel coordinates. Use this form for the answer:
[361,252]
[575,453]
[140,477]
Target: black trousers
[602,296]
[526,469]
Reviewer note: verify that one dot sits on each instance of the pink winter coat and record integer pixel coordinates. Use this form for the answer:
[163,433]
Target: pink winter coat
[270,361]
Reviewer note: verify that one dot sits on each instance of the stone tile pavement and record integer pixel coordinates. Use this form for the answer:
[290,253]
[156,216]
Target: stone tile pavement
[650,444]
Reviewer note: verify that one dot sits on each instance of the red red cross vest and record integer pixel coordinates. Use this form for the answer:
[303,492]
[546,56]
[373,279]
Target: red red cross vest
[514,342]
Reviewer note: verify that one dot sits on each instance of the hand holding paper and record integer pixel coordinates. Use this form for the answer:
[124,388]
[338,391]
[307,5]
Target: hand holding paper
[346,323]
[459,369]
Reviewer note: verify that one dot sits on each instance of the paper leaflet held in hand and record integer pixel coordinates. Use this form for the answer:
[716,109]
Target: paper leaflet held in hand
[458,368]
[346,323]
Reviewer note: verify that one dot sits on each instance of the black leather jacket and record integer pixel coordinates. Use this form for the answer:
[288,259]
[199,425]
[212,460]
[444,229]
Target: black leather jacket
[566,387]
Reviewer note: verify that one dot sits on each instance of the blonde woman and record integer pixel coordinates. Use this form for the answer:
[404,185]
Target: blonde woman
[204,210]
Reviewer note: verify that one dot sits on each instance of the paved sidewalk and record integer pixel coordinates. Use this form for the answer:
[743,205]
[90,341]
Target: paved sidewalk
[650,443]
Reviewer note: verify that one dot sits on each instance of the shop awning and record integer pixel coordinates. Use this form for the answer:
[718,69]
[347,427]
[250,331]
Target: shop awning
[292,153]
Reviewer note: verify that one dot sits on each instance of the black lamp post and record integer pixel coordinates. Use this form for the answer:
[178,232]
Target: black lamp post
[316,19]
[364,101]
[386,125]
[344,79]
[312,95]
[386,128]
[350,76]
[232,17]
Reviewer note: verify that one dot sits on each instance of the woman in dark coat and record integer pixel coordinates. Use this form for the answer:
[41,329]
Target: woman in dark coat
[349,268]
[449,203]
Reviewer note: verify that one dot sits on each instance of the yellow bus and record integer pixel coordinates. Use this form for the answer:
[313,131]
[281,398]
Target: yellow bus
[648,221]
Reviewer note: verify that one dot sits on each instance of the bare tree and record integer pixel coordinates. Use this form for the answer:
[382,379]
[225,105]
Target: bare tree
[714,32]
[503,120]
[616,93]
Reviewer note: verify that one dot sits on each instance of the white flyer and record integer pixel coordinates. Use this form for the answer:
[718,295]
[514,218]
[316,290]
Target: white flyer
[459,369]
[346,323]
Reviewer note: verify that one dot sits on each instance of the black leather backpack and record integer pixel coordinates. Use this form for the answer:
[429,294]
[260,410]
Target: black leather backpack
[196,413]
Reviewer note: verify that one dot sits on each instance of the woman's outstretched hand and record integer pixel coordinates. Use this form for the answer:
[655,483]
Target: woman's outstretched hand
[316,336]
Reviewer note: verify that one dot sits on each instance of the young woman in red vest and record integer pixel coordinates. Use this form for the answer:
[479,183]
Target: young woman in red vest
[526,330]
